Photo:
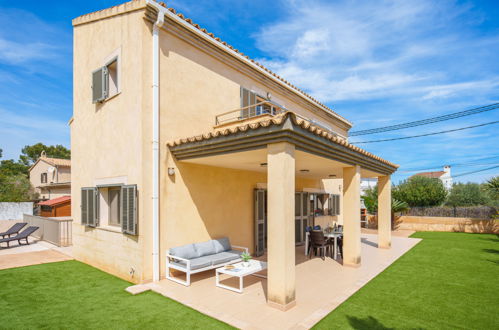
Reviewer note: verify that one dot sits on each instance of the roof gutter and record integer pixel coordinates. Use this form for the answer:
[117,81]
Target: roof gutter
[191,28]
[155,145]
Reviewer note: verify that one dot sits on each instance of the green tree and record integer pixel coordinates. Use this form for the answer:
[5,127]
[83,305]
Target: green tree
[370,199]
[466,194]
[10,167]
[420,191]
[31,153]
[16,188]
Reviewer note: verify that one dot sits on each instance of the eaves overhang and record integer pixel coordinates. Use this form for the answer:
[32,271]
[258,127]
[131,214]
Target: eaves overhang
[284,128]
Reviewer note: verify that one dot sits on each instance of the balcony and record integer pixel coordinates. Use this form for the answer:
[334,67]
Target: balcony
[255,111]
[260,111]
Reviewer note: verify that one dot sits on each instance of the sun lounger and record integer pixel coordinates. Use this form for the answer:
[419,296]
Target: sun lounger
[14,229]
[23,235]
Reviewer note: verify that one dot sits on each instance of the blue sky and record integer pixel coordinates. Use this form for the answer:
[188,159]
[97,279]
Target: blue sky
[376,63]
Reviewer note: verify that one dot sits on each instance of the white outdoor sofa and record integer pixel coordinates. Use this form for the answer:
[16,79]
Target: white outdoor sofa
[200,257]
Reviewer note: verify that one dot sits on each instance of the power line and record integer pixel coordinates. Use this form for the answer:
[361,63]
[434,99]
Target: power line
[440,167]
[432,167]
[428,134]
[472,172]
[426,121]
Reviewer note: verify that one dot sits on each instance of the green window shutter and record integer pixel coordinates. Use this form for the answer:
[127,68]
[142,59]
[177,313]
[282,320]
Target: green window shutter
[129,209]
[100,84]
[89,206]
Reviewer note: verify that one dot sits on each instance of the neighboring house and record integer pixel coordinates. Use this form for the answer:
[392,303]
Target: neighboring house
[177,138]
[444,176]
[57,207]
[51,177]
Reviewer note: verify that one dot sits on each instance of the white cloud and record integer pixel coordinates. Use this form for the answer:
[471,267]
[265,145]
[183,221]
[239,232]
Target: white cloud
[351,50]
[17,53]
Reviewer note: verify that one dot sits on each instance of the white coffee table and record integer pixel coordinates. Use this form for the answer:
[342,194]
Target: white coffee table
[240,271]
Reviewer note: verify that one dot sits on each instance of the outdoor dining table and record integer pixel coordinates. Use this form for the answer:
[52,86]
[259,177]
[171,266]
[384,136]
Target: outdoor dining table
[333,234]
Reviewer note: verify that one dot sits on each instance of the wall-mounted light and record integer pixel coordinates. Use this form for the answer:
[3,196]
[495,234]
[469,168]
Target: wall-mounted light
[171,171]
[332,175]
[269,96]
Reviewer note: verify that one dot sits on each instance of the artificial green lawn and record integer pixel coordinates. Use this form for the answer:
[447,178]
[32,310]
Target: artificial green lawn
[72,295]
[447,281]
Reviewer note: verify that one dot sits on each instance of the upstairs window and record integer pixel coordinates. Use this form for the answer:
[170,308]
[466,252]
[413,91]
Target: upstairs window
[253,104]
[105,81]
[43,178]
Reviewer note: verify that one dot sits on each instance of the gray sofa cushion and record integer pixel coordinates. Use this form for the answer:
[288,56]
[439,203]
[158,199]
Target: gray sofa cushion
[224,257]
[185,251]
[205,248]
[195,263]
[222,244]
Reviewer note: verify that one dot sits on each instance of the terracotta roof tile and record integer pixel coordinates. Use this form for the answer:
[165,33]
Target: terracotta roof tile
[432,175]
[57,161]
[277,120]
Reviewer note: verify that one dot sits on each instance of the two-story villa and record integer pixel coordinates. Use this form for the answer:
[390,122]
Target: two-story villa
[177,138]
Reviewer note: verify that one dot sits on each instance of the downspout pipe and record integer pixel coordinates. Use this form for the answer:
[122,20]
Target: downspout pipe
[155,145]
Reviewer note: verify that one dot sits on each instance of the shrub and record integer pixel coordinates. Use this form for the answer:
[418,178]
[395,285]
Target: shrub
[466,194]
[420,191]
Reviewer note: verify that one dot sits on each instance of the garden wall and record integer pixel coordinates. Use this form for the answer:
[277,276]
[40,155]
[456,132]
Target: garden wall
[468,225]
[15,211]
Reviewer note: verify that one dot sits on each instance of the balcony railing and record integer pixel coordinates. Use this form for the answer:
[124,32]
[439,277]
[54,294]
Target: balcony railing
[254,110]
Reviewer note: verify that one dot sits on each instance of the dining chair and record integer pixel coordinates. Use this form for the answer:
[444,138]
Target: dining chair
[319,242]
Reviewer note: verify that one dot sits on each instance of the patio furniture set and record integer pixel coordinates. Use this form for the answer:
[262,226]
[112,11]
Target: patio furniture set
[226,259]
[327,242]
[15,230]
[214,254]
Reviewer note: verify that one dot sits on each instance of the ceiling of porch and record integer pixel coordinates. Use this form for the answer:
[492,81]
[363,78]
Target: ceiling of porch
[255,160]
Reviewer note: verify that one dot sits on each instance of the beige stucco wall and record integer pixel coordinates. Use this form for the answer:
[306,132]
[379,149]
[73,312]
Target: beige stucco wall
[107,140]
[196,87]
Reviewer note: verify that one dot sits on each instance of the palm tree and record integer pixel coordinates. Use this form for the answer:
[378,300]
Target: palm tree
[492,186]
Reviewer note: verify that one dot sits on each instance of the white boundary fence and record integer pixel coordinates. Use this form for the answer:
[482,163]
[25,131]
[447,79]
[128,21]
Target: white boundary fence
[15,211]
[57,231]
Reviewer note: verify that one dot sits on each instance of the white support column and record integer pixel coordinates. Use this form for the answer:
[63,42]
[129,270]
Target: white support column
[281,225]
[384,212]
[351,216]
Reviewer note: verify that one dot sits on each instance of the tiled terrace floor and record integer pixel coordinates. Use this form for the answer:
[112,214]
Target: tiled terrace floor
[37,252]
[321,285]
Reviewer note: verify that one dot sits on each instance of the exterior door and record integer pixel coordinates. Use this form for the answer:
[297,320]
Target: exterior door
[301,216]
[260,221]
